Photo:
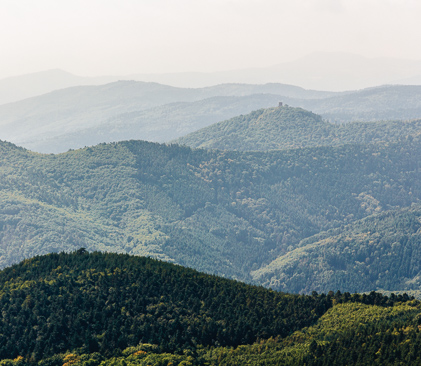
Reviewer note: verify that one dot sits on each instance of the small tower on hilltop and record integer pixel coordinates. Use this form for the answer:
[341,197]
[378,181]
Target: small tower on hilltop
[280,104]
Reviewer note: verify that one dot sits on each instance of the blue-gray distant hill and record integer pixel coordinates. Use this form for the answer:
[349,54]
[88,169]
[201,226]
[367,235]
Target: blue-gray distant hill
[20,87]
[287,127]
[388,102]
[87,115]
[158,124]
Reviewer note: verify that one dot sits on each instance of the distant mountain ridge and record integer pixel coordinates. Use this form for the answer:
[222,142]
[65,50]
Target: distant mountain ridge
[388,102]
[67,111]
[13,89]
[16,88]
[333,71]
[87,115]
[318,71]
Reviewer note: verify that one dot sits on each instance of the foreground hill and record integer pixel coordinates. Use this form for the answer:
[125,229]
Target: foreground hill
[61,302]
[287,127]
[87,308]
[228,213]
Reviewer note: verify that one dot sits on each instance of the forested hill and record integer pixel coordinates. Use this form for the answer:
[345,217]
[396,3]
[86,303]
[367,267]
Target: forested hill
[287,127]
[158,124]
[228,213]
[377,252]
[129,109]
[61,302]
[108,309]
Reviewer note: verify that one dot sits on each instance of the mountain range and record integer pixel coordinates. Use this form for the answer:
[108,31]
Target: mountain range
[281,197]
[320,70]
[228,213]
[87,115]
[374,104]
[15,88]
[96,110]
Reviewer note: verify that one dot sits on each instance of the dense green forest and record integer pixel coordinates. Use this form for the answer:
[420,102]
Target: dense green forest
[381,251]
[113,309]
[100,302]
[286,128]
[227,213]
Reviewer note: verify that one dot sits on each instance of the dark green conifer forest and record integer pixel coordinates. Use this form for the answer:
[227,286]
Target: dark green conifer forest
[108,309]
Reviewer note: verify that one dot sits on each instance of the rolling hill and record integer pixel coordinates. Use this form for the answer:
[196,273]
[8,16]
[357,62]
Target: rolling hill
[287,127]
[228,213]
[377,252]
[15,88]
[130,108]
[388,102]
[158,124]
[106,309]
[106,301]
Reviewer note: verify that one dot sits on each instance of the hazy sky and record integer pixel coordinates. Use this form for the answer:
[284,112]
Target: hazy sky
[97,37]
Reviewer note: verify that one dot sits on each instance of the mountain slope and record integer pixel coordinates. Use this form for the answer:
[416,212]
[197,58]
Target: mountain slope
[21,87]
[158,124]
[100,309]
[286,127]
[228,213]
[102,302]
[376,253]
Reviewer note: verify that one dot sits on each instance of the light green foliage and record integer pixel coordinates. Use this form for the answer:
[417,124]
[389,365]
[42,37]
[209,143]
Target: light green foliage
[227,213]
[378,252]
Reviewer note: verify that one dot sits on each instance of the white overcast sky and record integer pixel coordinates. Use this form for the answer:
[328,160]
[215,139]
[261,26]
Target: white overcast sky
[100,37]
